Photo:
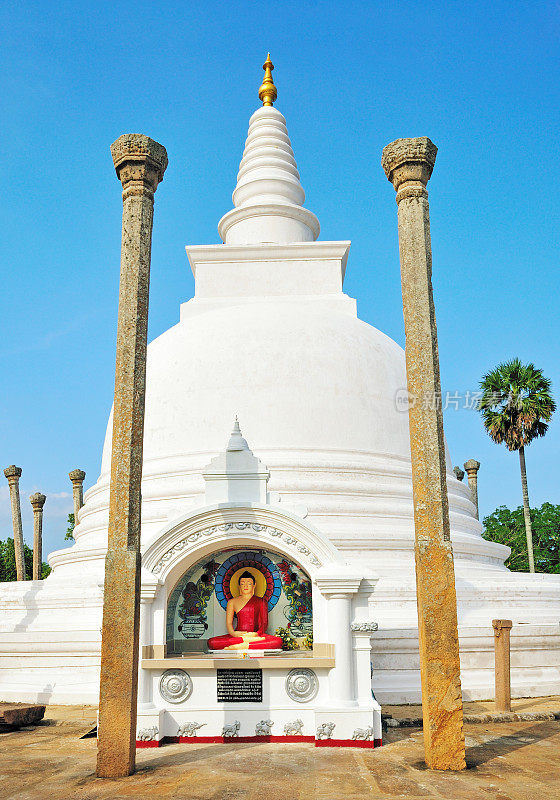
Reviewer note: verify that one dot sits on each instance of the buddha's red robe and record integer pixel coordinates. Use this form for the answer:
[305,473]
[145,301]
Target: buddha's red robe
[252,617]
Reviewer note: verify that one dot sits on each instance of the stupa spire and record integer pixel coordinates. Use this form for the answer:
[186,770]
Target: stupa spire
[236,440]
[269,197]
[267,91]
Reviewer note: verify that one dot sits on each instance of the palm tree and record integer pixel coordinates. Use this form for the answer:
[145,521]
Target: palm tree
[516,406]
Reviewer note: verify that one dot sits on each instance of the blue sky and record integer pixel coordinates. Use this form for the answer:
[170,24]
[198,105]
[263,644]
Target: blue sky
[479,78]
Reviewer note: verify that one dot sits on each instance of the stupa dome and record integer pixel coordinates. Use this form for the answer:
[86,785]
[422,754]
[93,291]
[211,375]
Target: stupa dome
[300,376]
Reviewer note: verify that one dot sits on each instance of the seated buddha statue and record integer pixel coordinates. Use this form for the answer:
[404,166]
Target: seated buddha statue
[252,620]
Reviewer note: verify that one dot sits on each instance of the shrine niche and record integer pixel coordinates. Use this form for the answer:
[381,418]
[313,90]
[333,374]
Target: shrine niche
[196,609]
[252,624]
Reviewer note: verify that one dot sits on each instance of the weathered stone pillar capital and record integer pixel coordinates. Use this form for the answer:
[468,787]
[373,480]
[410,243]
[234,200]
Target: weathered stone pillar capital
[13,473]
[459,474]
[408,164]
[77,475]
[471,466]
[500,624]
[37,500]
[140,163]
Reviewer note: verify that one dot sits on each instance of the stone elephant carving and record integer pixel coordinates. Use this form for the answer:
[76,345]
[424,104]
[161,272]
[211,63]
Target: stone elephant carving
[231,730]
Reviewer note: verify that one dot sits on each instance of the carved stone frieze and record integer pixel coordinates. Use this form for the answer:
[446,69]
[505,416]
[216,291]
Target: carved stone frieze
[367,627]
[267,530]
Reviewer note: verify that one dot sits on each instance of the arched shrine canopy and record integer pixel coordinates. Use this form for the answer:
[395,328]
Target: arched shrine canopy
[196,562]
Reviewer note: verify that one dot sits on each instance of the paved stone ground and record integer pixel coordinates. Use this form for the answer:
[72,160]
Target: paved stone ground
[509,761]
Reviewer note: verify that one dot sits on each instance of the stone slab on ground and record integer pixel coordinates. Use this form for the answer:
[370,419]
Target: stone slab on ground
[20,714]
[527,709]
[515,761]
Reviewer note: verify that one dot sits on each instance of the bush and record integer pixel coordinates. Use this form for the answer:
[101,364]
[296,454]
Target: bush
[8,562]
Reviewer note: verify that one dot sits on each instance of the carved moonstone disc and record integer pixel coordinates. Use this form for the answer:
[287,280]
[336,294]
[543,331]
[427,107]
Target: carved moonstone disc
[302,685]
[175,685]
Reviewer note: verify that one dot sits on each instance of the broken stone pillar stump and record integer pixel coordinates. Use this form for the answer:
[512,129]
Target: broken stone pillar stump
[77,477]
[37,501]
[502,674]
[13,474]
[459,474]
[140,163]
[408,164]
[472,468]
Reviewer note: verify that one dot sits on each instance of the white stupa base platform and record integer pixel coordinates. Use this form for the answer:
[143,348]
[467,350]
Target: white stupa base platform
[50,638]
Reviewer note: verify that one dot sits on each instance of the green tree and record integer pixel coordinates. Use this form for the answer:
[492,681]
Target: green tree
[70,528]
[516,406]
[508,527]
[8,562]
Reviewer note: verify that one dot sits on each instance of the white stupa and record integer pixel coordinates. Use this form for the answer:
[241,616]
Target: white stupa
[271,337]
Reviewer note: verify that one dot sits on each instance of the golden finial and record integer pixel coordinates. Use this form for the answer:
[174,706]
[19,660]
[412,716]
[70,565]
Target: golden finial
[267,92]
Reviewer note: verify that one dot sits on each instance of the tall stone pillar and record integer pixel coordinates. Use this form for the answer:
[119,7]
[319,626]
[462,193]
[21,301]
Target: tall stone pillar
[472,468]
[459,474]
[37,500]
[13,474]
[140,163]
[408,164]
[77,477]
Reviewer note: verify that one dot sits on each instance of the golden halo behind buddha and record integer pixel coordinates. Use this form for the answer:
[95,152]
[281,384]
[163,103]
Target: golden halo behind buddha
[260,581]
